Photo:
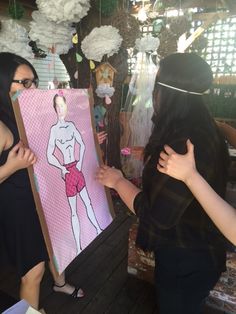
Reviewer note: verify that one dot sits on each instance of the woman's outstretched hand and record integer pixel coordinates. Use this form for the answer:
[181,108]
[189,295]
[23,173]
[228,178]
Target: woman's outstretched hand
[178,166]
[108,176]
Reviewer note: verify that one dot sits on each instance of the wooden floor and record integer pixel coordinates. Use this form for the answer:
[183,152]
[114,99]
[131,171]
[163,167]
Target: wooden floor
[101,270]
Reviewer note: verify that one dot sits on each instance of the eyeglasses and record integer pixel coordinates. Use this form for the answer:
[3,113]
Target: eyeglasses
[27,83]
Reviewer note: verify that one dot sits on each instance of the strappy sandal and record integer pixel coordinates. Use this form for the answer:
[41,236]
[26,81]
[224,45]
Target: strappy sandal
[77,293]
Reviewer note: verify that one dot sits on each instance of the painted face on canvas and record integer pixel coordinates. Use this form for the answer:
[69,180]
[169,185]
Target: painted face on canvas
[23,79]
[61,107]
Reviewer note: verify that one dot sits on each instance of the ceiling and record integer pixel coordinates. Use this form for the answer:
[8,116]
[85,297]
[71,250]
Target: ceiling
[209,4]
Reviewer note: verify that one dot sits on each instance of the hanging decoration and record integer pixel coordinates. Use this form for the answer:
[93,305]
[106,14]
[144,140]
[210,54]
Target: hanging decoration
[91,64]
[49,35]
[157,25]
[38,53]
[147,43]
[104,40]
[106,7]
[139,109]
[14,38]
[59,11]
[128,27]
[76,75]
[139,103]
[99,113]
[79,58]
[104,78]
[75,39]
[105,91]
[16,10]
[142,15]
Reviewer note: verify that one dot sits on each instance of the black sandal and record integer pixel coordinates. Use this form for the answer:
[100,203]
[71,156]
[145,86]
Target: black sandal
[76,294]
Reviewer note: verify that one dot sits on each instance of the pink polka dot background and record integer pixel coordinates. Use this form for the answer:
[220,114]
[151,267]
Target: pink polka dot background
[39,115]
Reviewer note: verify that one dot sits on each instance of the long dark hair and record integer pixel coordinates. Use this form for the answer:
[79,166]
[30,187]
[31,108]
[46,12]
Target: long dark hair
[9,63]
[174,109]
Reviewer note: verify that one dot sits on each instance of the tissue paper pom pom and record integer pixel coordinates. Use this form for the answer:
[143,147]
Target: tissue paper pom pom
[147,43]
[49,34]
[14,39]
[104,90]
[104,40]
[59,11]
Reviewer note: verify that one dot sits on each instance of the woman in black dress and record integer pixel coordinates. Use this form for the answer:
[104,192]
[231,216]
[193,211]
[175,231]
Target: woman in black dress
[21,240]
[189,250]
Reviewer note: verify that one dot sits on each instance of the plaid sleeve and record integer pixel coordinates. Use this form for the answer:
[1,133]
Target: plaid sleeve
[167,198]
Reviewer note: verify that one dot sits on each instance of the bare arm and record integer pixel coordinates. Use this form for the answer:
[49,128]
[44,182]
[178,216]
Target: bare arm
[19,156]
[182,167]
[229,132]
[114,179]
[50,151]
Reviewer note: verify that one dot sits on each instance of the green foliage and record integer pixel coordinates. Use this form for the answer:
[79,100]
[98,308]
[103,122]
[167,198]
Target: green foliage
[16,11]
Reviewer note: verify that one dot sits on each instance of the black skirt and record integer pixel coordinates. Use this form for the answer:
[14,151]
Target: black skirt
[21,240]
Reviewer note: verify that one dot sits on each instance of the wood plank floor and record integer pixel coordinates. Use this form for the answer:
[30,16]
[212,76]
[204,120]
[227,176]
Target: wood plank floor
[101,270]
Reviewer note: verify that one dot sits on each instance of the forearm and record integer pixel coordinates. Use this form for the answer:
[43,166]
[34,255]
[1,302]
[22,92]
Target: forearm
[54,161]
[127,192]
[221,213]
[6,171]
[229,133]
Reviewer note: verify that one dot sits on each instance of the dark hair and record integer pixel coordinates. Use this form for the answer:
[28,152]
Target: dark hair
[54,101]
[181,115]
[9,63]
[173,108]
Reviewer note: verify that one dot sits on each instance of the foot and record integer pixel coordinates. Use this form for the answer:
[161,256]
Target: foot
[68,289]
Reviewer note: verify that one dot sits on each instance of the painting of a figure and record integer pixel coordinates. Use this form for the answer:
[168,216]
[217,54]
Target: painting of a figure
[57,124]
[64,136]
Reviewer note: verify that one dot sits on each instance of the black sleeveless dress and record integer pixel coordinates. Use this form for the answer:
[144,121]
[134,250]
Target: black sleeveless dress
[21,240]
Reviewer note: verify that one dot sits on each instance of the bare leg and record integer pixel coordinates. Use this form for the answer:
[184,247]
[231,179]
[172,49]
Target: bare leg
[90,212]
[30,285]
[75,222]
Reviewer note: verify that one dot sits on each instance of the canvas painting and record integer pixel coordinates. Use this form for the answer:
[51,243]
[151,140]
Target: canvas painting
[57,125]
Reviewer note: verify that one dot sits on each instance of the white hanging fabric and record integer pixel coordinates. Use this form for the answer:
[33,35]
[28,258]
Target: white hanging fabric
[139,104]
